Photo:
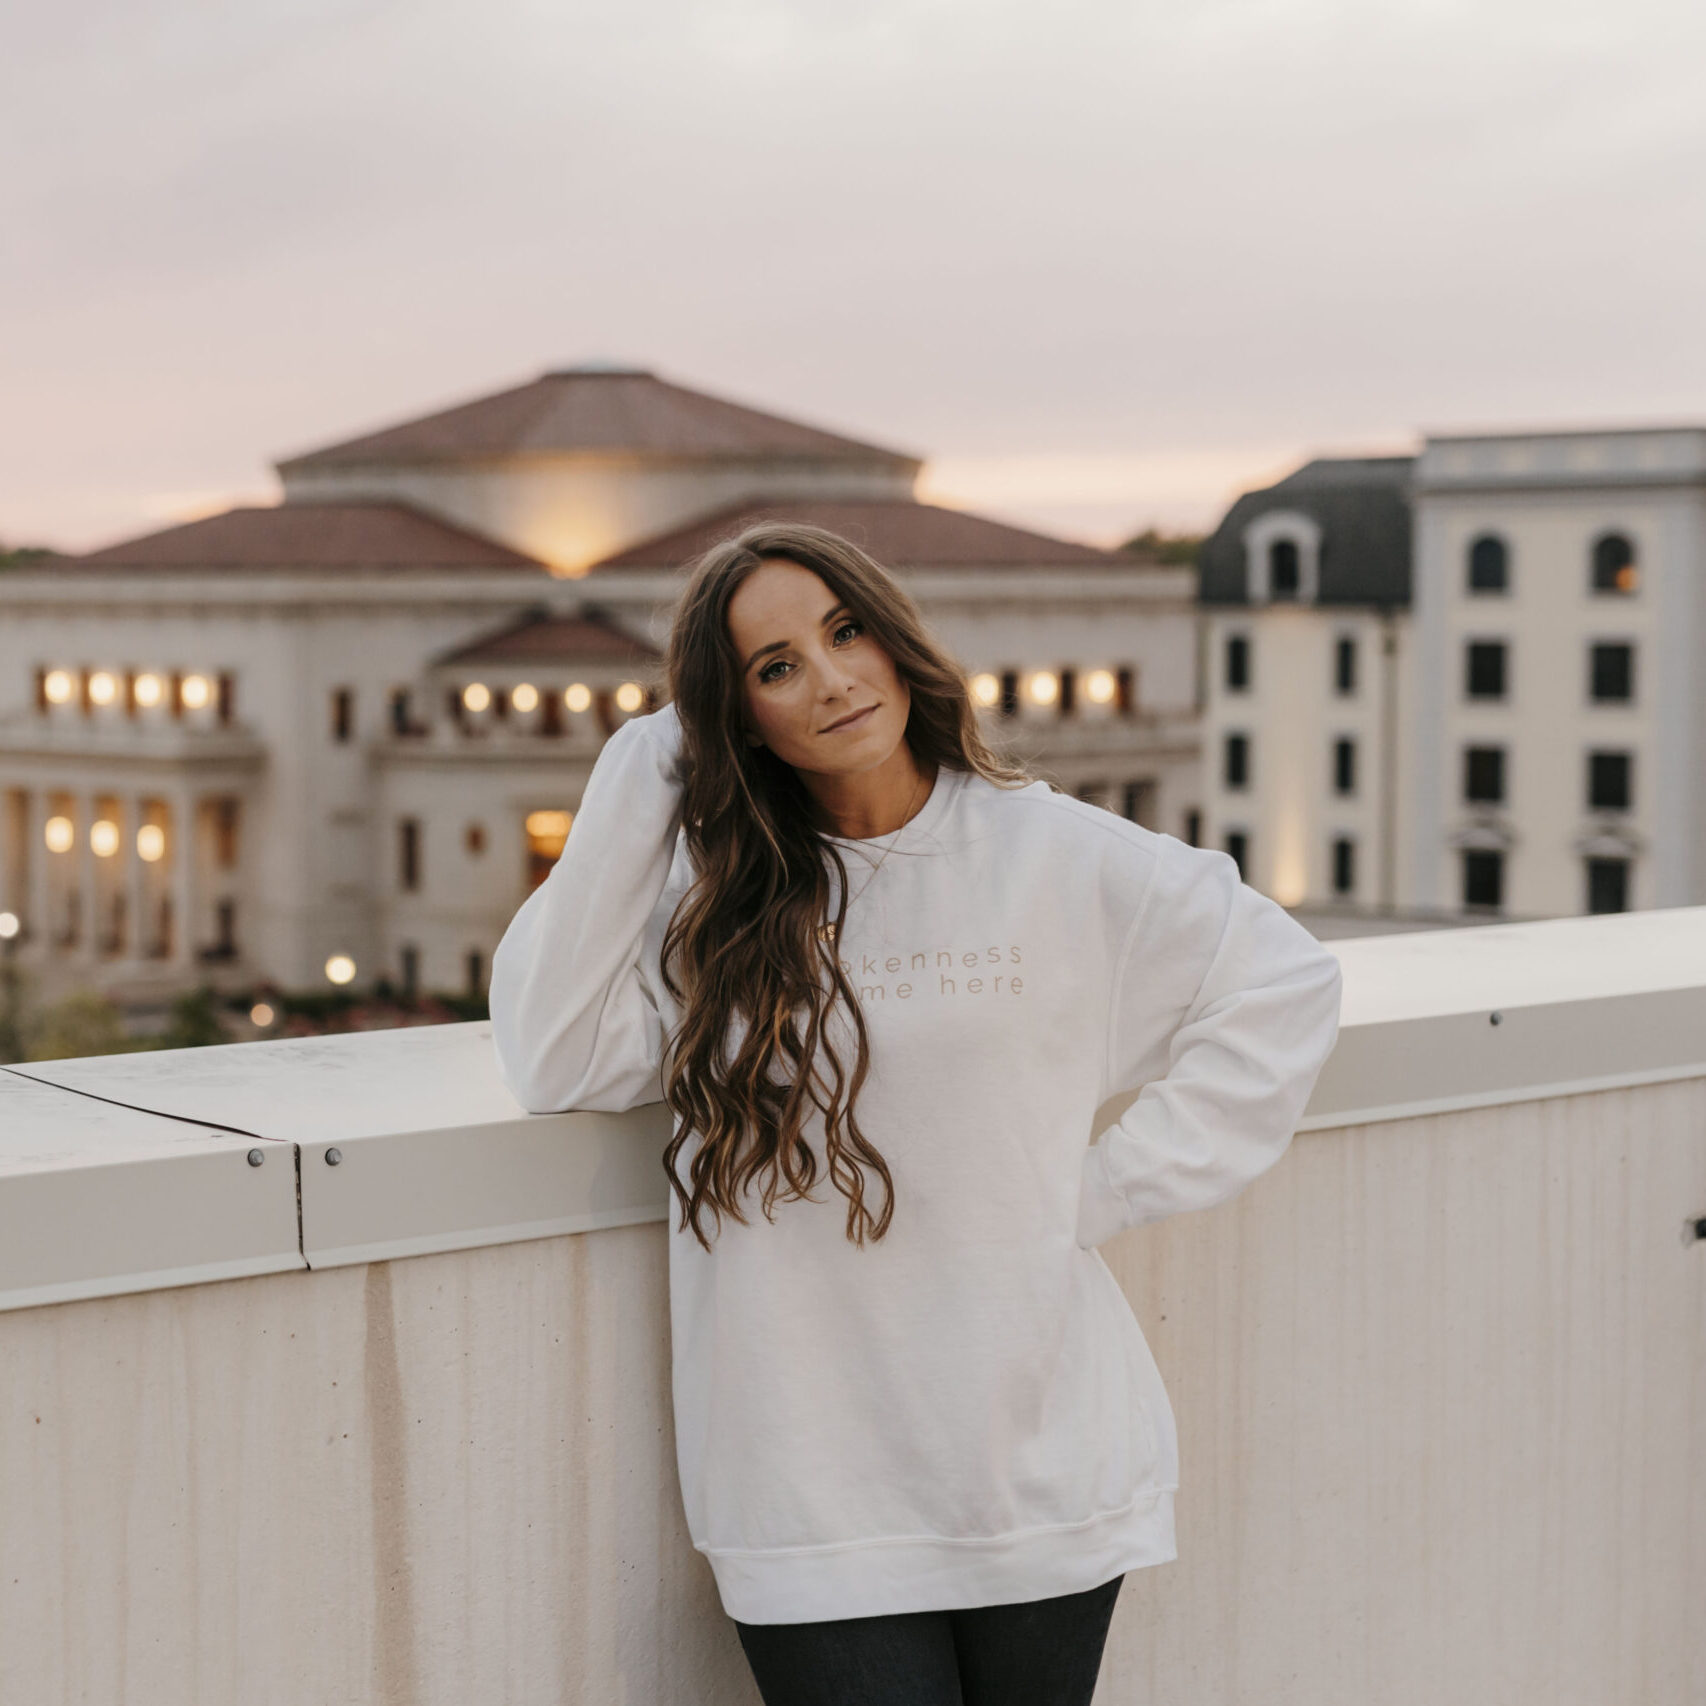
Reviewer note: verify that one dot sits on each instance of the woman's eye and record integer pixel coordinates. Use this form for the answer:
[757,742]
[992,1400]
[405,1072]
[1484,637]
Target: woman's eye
[764,674]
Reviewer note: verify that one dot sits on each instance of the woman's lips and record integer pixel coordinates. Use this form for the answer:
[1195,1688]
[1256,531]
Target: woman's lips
[854,722]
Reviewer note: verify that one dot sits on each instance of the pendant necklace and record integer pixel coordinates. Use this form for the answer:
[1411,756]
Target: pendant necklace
[826,932]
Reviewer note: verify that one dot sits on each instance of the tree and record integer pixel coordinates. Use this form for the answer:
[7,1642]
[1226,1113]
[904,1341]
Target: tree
[1177,548]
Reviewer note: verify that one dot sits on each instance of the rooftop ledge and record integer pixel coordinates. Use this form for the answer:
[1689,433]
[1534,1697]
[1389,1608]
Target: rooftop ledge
[130,1173]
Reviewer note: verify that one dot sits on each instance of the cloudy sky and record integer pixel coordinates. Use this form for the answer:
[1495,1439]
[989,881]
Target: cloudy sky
[1105,262]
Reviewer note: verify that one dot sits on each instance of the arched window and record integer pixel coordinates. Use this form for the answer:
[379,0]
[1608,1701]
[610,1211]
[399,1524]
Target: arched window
[1489,565]
[1282,569]
[1614,564]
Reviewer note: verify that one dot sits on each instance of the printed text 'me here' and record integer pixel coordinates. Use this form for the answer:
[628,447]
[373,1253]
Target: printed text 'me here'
[956,974]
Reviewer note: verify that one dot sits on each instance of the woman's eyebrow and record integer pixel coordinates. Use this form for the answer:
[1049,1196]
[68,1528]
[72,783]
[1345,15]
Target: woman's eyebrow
[782,645]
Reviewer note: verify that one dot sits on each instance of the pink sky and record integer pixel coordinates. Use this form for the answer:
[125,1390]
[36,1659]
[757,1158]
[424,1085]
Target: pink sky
[1105,263]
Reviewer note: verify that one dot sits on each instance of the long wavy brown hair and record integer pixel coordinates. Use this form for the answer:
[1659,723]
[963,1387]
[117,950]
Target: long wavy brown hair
[745,942]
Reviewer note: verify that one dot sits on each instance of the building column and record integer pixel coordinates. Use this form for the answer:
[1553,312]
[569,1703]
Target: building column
[37,860]
[135,882]
[183,851]
[88,917]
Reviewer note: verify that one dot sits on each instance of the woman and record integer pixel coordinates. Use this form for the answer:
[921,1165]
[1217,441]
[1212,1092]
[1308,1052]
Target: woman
[884,982]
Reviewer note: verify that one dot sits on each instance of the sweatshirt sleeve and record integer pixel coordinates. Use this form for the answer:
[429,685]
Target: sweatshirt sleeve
[574,1023]
[1225,1009]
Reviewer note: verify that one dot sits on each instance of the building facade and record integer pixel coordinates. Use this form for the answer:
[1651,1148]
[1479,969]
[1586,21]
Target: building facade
[337,740]
[1467,684]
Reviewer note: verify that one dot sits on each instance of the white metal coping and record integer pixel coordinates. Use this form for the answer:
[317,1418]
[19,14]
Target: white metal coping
[125,1173]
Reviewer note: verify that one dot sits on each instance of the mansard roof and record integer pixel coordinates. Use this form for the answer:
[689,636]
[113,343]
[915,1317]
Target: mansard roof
[1362,506]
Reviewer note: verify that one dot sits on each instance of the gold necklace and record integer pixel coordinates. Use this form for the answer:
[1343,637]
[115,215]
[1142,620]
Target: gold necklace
[826,932]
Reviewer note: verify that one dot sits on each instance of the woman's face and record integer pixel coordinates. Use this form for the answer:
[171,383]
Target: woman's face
[807,663]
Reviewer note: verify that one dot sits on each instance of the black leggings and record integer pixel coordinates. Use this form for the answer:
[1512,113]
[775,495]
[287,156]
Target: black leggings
[1038,1652]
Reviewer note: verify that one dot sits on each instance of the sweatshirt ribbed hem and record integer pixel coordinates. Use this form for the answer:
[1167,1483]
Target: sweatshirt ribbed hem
[872,1578]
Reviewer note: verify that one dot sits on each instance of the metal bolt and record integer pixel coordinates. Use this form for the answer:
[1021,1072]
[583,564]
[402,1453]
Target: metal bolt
[256,1158]
[333,1157]
[1495,1018]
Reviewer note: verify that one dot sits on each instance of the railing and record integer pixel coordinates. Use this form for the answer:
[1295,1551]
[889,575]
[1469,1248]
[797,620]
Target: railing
[1440,1375]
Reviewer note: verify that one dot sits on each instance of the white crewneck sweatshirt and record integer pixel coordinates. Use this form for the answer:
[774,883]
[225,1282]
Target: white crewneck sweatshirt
[965,1412]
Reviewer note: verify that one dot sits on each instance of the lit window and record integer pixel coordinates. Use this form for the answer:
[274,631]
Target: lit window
[1614,571]
[547,831]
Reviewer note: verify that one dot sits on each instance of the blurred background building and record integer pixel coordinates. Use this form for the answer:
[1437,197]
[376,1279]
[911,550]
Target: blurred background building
[340,738]
[1468,684]
[332,743]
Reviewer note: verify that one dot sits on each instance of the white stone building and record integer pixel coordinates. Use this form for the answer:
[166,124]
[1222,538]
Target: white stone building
[1468,684]
[340,737]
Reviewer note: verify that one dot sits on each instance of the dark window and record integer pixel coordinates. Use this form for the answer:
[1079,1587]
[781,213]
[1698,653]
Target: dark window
[1613,671]
[1282,569]
[1068,691]
[1009,693]
[1344,766]
[1484,674]
[1237,662]
[43,703]
[476,970]
[1484,774]
[225,816]
[1238,845]
[1608,885]
[1345,665]
[225,930]
[1614,570]
[551,714]
[1193,827]
[1483,877]
[1139,801]
[1609,781]
[474,839]
[225,687]
[1125,690]
[1237,761]
[410,958]
[408,854]
[1489,565]
[1344,865]
[400,724]
[343,713]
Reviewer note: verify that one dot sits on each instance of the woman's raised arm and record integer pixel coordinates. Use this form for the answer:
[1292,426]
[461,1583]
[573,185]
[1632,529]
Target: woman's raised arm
[573,1021]
[1225,1010]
